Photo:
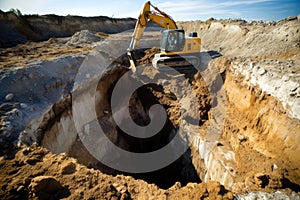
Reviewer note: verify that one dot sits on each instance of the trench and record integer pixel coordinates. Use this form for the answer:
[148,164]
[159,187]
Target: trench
[182,169]
[242,158]
[59,134]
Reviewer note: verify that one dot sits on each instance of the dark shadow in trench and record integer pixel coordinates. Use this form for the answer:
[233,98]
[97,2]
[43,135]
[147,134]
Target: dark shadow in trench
[181,170]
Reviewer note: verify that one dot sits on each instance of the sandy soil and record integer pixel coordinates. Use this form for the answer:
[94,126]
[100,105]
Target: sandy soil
[35,173]
[31,52]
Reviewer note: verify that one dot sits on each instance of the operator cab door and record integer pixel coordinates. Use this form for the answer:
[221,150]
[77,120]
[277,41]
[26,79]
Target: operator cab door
[172,40]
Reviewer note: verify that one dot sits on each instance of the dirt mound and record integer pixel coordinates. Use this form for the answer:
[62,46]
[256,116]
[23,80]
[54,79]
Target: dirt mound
[38,174]
[83,37]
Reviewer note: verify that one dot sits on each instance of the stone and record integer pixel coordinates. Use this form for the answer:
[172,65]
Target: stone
[213,187]
[285,78]
[261,71]
[68,168]
[290,18]
[23,105]
[9,96]
[241,138]
[176,186]
[45,184]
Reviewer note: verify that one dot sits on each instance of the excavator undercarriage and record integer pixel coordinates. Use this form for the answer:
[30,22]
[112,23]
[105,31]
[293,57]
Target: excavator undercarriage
[178,62]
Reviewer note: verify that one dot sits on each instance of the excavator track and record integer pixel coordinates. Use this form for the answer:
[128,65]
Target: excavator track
[178,62]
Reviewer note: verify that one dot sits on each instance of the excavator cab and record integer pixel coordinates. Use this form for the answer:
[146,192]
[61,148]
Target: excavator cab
[172,40]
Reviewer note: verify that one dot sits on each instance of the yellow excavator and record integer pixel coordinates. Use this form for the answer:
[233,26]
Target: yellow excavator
[177,50]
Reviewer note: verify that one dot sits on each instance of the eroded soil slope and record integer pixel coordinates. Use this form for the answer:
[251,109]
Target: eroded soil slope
[20,29]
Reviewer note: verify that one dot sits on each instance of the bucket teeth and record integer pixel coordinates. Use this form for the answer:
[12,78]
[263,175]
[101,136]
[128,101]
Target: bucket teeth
[131,61]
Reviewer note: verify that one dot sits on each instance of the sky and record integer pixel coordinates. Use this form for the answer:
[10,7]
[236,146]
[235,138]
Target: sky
[180,10]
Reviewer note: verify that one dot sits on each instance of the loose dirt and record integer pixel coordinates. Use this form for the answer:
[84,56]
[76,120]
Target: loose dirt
[35,173]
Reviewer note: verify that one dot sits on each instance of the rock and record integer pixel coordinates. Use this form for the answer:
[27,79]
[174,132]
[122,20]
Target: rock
[294,89]
[274,167]
[20,189]
[68,168]
[213,187]
[264,195]
[44,184]
[9,96]
[291,18]
[23,105]
[17,112]
[26,151]
[176,186]
[191,185]
[285,78]
[261,71]
[241,138]
[122,189]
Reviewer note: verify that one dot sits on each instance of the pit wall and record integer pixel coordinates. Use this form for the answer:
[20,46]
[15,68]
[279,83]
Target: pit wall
[34,89]
[247,39]
[251,115]
[260,135]
[264,122]
[216,164]
[19,29]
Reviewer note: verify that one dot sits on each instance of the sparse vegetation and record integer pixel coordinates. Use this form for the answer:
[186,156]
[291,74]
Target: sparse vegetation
[16,11]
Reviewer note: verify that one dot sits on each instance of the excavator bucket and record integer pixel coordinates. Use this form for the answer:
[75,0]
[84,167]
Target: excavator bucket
[131,61]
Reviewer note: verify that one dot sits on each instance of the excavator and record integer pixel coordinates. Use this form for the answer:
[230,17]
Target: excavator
[177,50]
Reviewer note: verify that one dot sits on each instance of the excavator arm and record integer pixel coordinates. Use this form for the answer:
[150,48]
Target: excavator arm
[157,16]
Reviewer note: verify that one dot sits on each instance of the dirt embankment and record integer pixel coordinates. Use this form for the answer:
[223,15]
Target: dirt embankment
[39,174]
[19,29]
[259,40]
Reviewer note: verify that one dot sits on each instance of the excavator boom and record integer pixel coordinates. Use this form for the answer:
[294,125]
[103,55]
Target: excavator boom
[157,16]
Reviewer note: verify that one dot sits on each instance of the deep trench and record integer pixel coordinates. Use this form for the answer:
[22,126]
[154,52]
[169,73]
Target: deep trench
[181,170]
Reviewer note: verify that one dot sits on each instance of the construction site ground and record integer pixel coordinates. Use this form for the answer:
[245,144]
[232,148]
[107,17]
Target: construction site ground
[259,64]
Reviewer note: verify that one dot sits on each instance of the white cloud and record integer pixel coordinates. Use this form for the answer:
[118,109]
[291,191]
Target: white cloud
[239,3]
[23,5]
[178,9]
[201,8]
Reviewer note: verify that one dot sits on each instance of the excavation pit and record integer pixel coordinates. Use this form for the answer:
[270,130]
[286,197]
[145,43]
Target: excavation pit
[228,162]
[181,169]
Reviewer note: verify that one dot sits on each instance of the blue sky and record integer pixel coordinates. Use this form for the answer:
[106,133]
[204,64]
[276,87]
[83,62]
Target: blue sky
[178,9]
